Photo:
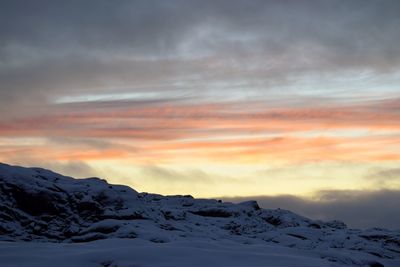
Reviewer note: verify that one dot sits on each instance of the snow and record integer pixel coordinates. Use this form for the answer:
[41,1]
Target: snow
[47,218]
[137,252]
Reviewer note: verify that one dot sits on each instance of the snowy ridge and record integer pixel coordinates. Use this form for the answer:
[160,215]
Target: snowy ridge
[40,205]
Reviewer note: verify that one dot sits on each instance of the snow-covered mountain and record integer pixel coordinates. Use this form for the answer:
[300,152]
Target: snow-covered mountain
[48,210]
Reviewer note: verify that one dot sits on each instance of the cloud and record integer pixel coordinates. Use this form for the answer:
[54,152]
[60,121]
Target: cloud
[223,131]
[387,174]
[184,180]
[166,175]
[50,50]
[152,178]
[74,168]
[384,178]
[89,144]
[155,82]
[360,209]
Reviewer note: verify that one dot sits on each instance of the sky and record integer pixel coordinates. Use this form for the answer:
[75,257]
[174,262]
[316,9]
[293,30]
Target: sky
[295,103]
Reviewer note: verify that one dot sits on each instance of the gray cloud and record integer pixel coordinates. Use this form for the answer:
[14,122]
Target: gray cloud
[91,143]
[166,175]
[49,49]
[151,27]
[393,173]
[187,177]
[360,209]
[384,178]
[74,168]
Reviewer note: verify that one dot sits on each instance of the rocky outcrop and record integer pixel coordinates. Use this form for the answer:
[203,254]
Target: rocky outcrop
[40,205]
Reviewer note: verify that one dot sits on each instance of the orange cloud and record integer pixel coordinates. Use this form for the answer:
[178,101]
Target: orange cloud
[218,131]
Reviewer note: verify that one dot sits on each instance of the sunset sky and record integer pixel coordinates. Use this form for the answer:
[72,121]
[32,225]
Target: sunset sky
[209,98]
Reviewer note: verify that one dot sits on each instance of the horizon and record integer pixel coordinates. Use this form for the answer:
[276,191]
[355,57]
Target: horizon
[295,104]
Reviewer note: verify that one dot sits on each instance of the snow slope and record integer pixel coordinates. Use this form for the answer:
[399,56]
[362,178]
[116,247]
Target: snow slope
[47,217]
[138,252]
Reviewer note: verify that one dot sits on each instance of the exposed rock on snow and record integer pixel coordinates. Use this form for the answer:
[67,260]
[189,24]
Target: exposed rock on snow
[40,205]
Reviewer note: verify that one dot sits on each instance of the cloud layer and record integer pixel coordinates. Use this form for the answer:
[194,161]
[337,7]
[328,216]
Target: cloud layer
[49,49]
[206,96]
[359,209]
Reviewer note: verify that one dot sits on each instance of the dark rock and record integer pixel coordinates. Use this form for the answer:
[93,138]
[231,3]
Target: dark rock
[298,236]
[251,204]
[213,213]
[336,224]
[376,264]
[314,225]
[34,203]
[273,220]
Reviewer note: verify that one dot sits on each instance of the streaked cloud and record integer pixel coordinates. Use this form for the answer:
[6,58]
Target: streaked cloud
[202,97]
[218,131]
[196,47]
